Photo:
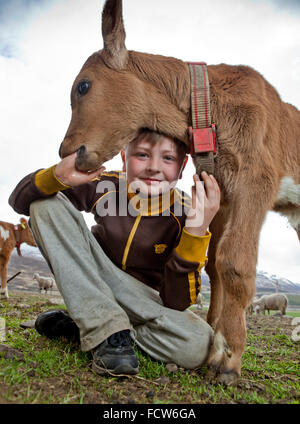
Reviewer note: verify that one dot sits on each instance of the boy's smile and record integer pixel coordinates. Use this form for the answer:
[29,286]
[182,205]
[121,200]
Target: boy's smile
[153,166]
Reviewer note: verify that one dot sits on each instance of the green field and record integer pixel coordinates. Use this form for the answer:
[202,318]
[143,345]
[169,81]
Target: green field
[45,371]
[294,300]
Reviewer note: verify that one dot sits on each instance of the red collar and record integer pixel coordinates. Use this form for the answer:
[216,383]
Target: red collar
[202,132]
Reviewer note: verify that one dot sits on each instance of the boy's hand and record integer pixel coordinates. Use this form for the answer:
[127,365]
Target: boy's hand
[205,204]
[66,172]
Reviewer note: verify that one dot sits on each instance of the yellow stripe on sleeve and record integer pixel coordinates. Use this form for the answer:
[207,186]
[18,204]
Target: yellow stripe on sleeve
[199,276]
[47,182]
[192,287]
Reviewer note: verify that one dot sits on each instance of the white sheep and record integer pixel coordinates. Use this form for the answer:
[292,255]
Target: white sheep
[44,282]
[199,301]
[271,302]
[256,310]
[250,310]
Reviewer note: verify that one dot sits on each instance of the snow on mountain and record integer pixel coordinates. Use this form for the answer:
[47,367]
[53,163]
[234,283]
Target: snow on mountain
[264,281]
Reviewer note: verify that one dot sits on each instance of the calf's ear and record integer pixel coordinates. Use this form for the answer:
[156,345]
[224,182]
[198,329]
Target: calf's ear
[115,53]
[23,223]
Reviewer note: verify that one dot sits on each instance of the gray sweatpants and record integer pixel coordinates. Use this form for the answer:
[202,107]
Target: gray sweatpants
[102,299]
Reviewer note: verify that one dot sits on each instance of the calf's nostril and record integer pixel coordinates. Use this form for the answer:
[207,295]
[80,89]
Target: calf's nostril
[81,151]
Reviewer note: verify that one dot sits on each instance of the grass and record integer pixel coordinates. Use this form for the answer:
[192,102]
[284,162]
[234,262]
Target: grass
[56,372]
[294,299]
[291,313]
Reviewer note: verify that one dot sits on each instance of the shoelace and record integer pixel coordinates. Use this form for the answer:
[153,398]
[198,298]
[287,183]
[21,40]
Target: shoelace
[121,338]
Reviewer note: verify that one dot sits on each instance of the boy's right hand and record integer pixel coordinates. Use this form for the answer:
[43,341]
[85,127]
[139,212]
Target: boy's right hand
[66,172]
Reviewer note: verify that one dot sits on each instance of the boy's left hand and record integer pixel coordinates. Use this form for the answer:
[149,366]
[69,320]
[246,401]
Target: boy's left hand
[205,204]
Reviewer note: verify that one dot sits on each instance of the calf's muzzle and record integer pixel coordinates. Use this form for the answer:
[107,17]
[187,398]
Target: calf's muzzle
[85,161]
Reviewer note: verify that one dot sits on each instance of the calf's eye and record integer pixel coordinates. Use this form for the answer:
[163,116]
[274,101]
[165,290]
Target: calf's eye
[83,87]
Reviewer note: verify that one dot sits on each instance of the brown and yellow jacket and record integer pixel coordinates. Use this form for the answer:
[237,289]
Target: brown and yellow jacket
[145,240]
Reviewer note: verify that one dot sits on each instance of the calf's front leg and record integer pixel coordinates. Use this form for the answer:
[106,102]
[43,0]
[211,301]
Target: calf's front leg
[236,257]
[3,274]
[217,228]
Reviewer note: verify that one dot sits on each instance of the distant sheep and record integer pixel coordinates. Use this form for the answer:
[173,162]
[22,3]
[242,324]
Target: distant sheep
[250,310]
[199,301]
[271,302]
[44,282]
[256,310]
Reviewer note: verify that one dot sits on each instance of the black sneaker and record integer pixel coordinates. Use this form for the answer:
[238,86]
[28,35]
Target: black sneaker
[57,323]
[116,355]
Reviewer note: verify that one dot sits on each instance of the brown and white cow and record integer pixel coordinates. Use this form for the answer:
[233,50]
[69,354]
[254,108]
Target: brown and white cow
[118,92]
[12,236]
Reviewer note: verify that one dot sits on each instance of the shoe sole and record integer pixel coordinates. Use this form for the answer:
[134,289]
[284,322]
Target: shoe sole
[122,369]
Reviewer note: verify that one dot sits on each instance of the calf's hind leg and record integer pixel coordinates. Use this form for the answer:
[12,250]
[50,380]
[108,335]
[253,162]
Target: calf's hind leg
[236,258]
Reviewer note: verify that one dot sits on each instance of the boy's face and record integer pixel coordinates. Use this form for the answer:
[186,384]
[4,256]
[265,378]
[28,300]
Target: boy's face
[153,166]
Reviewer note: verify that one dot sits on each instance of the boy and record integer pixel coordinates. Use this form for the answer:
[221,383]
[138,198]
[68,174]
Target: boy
[137,270]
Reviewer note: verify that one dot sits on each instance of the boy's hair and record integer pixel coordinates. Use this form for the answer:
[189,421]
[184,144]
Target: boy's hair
[155,136]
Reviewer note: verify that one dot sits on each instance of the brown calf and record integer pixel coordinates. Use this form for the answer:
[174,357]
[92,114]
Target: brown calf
[12,236]
[118,92]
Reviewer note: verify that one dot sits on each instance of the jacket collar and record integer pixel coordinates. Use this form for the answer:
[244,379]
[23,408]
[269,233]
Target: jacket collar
[149,206]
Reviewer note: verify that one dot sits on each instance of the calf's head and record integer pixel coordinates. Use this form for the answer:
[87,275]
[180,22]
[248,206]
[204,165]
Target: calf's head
[114,97]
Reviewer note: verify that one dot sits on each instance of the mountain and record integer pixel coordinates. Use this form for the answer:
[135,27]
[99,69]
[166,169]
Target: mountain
[32,262]
[267,283]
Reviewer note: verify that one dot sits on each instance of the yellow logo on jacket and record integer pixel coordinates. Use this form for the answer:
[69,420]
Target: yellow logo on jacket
[160,248]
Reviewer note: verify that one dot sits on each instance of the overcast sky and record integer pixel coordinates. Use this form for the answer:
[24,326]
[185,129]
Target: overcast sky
[44,43]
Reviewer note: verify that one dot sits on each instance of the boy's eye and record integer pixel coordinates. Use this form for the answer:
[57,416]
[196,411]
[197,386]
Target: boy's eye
[141,154]
[169,158]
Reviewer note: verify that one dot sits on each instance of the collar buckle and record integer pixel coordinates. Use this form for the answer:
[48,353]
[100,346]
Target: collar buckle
[202,140]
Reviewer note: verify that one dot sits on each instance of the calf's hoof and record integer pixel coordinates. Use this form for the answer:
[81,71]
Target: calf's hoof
[4,294]
[220,374]
[224,366]
[227,378]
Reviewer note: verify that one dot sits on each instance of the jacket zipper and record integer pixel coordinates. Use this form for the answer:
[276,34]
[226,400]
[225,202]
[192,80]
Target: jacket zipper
[129,241]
